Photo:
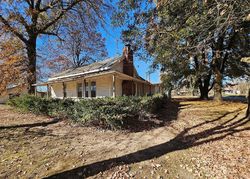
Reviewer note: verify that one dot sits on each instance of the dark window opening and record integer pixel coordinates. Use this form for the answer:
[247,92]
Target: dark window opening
[86,89]
[79,90]
[93,89]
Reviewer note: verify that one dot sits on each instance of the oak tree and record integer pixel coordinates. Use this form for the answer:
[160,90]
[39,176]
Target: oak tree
[30,19]
[13,64]
[207,35]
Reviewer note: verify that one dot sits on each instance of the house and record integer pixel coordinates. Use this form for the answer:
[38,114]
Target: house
[11,91]
[237,88]
[108,78]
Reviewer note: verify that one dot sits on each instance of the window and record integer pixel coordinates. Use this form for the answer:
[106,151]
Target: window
[93,89]
[86,89]
[79,90]
[64,90]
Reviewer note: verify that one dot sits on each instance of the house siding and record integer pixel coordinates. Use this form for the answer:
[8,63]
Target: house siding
[4,98]
[14,91]
[104,87]
[57,90]
[118,87]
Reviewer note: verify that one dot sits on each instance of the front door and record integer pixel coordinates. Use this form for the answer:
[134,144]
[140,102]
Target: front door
[128,88]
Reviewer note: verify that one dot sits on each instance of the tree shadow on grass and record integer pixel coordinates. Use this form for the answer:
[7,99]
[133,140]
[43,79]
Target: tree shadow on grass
[42,124]
[161,118]
[184,140]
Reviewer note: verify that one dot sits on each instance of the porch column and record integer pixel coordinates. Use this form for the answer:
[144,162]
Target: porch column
[113,86]
[48,91]
[89,83]
[143,89]
[64,90]
[35,90]
[136,90]
[83,88]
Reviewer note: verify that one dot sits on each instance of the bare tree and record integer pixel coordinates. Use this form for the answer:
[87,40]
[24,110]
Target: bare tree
[28,19]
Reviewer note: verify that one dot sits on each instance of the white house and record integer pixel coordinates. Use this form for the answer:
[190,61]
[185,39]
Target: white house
[109,78]
[13,90]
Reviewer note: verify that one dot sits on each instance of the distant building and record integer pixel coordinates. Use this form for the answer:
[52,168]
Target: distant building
[12,91]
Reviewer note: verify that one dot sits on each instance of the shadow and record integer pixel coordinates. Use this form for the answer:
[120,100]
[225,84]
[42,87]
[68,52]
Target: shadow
[42,124]
[184,140]
[162,118]
[238,98]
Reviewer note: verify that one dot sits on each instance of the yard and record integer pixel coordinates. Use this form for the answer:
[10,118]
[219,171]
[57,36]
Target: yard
[190,139]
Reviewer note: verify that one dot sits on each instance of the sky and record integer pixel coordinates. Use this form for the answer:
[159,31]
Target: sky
[115,46]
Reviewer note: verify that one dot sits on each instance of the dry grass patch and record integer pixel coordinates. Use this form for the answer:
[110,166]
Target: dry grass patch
[198,139]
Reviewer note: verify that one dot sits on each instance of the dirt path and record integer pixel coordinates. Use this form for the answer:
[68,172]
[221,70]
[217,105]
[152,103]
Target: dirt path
[198,140]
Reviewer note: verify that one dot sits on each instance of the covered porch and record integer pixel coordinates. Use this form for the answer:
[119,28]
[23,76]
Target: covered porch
[105,84]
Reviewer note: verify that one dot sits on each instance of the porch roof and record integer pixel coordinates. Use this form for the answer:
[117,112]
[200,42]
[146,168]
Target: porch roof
[96,67]
[116,73]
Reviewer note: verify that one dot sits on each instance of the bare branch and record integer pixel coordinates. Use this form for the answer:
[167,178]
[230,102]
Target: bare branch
[53,34]
[13,30]
[62,13]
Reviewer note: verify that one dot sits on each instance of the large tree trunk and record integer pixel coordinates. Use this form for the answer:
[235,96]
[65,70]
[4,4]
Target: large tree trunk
[218,85]
[203,93]
[204,87]
[31,52]
[248,106]
[169,91]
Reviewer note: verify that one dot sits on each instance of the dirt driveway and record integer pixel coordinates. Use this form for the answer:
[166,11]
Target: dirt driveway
[198,140]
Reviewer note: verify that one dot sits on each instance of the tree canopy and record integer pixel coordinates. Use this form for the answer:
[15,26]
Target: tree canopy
[29,20]
[208,37]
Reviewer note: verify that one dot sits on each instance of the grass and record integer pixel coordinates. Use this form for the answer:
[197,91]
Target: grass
[197,139]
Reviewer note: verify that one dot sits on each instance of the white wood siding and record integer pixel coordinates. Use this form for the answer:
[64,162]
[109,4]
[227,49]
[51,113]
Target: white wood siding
[57,90]
[104,87]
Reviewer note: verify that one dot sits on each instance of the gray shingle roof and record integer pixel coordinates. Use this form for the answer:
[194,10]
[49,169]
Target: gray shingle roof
[104,65]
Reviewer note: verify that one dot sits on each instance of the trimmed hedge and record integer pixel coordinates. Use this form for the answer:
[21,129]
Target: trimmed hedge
[114,113]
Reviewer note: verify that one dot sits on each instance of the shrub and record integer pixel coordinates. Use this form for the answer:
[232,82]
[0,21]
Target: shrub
[114,113]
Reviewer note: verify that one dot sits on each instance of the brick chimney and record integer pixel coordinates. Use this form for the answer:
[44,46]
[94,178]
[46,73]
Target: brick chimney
[128,66]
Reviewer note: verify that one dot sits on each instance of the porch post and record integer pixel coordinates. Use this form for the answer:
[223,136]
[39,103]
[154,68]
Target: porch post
[113,86]
[136,90]
[143,89]
[84,88]
[35,91]
[64,90]
[89,88]
[48,89]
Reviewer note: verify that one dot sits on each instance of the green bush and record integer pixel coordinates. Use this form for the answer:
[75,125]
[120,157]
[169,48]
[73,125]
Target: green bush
[114,113]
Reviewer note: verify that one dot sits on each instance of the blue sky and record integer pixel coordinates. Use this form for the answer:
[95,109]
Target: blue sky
[115,46]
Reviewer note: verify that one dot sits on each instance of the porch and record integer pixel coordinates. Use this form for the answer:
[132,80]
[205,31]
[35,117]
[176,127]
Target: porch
[106,84]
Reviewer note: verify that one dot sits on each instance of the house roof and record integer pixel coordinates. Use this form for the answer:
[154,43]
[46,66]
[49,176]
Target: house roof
[120,74]
[97,68]
[100,66]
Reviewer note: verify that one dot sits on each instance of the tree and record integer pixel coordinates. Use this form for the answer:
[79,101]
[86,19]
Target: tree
[57,65]
[29,19]
[212,36]
[82,46]
[13,64]
[247,60]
